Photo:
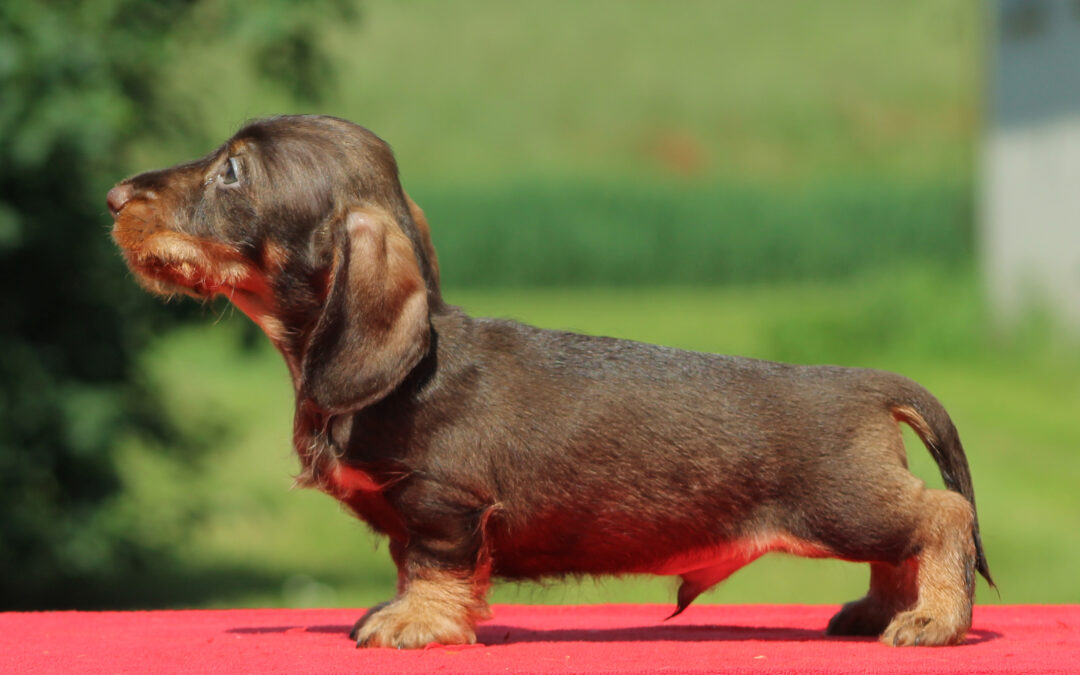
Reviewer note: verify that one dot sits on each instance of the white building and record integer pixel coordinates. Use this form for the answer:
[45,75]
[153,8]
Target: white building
[1030,236]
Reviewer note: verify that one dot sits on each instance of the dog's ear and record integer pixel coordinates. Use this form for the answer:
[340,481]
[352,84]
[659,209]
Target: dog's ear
[374,326]
[423,230]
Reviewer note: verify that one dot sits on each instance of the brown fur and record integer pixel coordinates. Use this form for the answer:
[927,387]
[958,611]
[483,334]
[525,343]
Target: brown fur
[490,448]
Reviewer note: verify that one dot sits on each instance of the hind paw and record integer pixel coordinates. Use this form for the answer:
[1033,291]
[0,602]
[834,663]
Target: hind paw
[861,617]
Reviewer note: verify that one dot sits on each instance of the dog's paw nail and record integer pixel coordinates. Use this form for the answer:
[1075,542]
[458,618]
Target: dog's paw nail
[364,642]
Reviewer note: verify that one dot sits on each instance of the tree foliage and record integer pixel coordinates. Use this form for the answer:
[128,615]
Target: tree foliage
[79,82]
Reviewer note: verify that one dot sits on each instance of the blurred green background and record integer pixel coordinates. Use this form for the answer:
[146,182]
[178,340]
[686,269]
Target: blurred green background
[784,180]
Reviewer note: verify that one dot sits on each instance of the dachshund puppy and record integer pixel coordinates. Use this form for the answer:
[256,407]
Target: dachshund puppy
[485,448]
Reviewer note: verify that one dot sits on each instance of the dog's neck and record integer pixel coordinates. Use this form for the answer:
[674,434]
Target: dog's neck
[322,439]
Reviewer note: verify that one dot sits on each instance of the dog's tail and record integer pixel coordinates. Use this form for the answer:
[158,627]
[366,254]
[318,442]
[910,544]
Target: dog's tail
[927,417]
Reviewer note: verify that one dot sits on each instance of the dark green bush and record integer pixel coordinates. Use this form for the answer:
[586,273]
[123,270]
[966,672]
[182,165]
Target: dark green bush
[78,84]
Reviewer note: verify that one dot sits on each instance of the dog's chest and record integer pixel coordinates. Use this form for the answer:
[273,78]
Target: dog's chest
[343,481]
[361,490]
[324,466]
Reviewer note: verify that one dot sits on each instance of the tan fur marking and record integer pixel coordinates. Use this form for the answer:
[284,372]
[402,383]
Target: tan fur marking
[913,419]
[436,606]
[272,326]
[201,266]
[274,257]
[168,262]
[384,269]
[260,308]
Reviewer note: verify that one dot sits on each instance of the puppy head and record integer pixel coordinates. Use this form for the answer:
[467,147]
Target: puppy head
[301,222]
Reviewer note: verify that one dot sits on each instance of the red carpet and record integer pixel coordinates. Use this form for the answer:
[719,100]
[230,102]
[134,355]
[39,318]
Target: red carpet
[524,639]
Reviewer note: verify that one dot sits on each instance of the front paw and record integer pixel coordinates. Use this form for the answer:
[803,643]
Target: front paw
[354,634]
[915,629]
[406,623]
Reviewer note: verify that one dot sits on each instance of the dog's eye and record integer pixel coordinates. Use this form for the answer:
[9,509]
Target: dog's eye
[229,172]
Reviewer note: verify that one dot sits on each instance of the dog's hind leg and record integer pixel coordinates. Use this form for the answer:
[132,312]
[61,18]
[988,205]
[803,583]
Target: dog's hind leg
[945,577]
[925,598]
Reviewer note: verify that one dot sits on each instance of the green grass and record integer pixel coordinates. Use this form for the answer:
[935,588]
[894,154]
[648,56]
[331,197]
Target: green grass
[242,537]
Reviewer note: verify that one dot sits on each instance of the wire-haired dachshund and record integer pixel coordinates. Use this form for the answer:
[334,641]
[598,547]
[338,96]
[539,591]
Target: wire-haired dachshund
[486,448]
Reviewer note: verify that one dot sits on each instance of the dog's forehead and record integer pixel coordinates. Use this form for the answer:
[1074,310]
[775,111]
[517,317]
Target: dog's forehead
[317,131]
[315,144]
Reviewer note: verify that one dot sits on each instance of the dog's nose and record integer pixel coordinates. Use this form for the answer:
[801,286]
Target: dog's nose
[118,197]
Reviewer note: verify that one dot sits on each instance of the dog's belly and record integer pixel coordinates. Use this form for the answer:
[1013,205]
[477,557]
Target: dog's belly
[710,563]
[733,555]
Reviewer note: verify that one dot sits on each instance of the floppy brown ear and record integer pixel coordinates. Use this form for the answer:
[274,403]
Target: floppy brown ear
[424,230]
[374,326]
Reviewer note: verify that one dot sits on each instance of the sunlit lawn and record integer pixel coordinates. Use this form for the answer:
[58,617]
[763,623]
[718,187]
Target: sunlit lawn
[476,91]
[1015,402]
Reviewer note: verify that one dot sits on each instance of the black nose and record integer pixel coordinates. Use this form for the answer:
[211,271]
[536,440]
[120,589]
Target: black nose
[118,197]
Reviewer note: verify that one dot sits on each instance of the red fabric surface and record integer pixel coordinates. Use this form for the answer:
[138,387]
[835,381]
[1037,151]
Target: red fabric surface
[529,639]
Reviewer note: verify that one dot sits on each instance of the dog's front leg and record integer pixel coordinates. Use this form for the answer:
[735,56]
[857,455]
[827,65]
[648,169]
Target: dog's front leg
[443,577]
[435,606]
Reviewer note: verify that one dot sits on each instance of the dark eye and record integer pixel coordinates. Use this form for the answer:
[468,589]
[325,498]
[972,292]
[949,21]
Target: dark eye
[229,172]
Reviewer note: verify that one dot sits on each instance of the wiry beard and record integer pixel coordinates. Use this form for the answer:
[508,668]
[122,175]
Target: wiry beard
[164,279]
[170,289]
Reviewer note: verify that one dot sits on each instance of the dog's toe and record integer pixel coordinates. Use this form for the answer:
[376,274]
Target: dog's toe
[354,634]
[918,629]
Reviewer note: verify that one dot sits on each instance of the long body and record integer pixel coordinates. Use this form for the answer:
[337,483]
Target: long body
[592,455]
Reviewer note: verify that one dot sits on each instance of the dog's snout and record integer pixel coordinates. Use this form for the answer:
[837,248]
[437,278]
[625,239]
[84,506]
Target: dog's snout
[118,197]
